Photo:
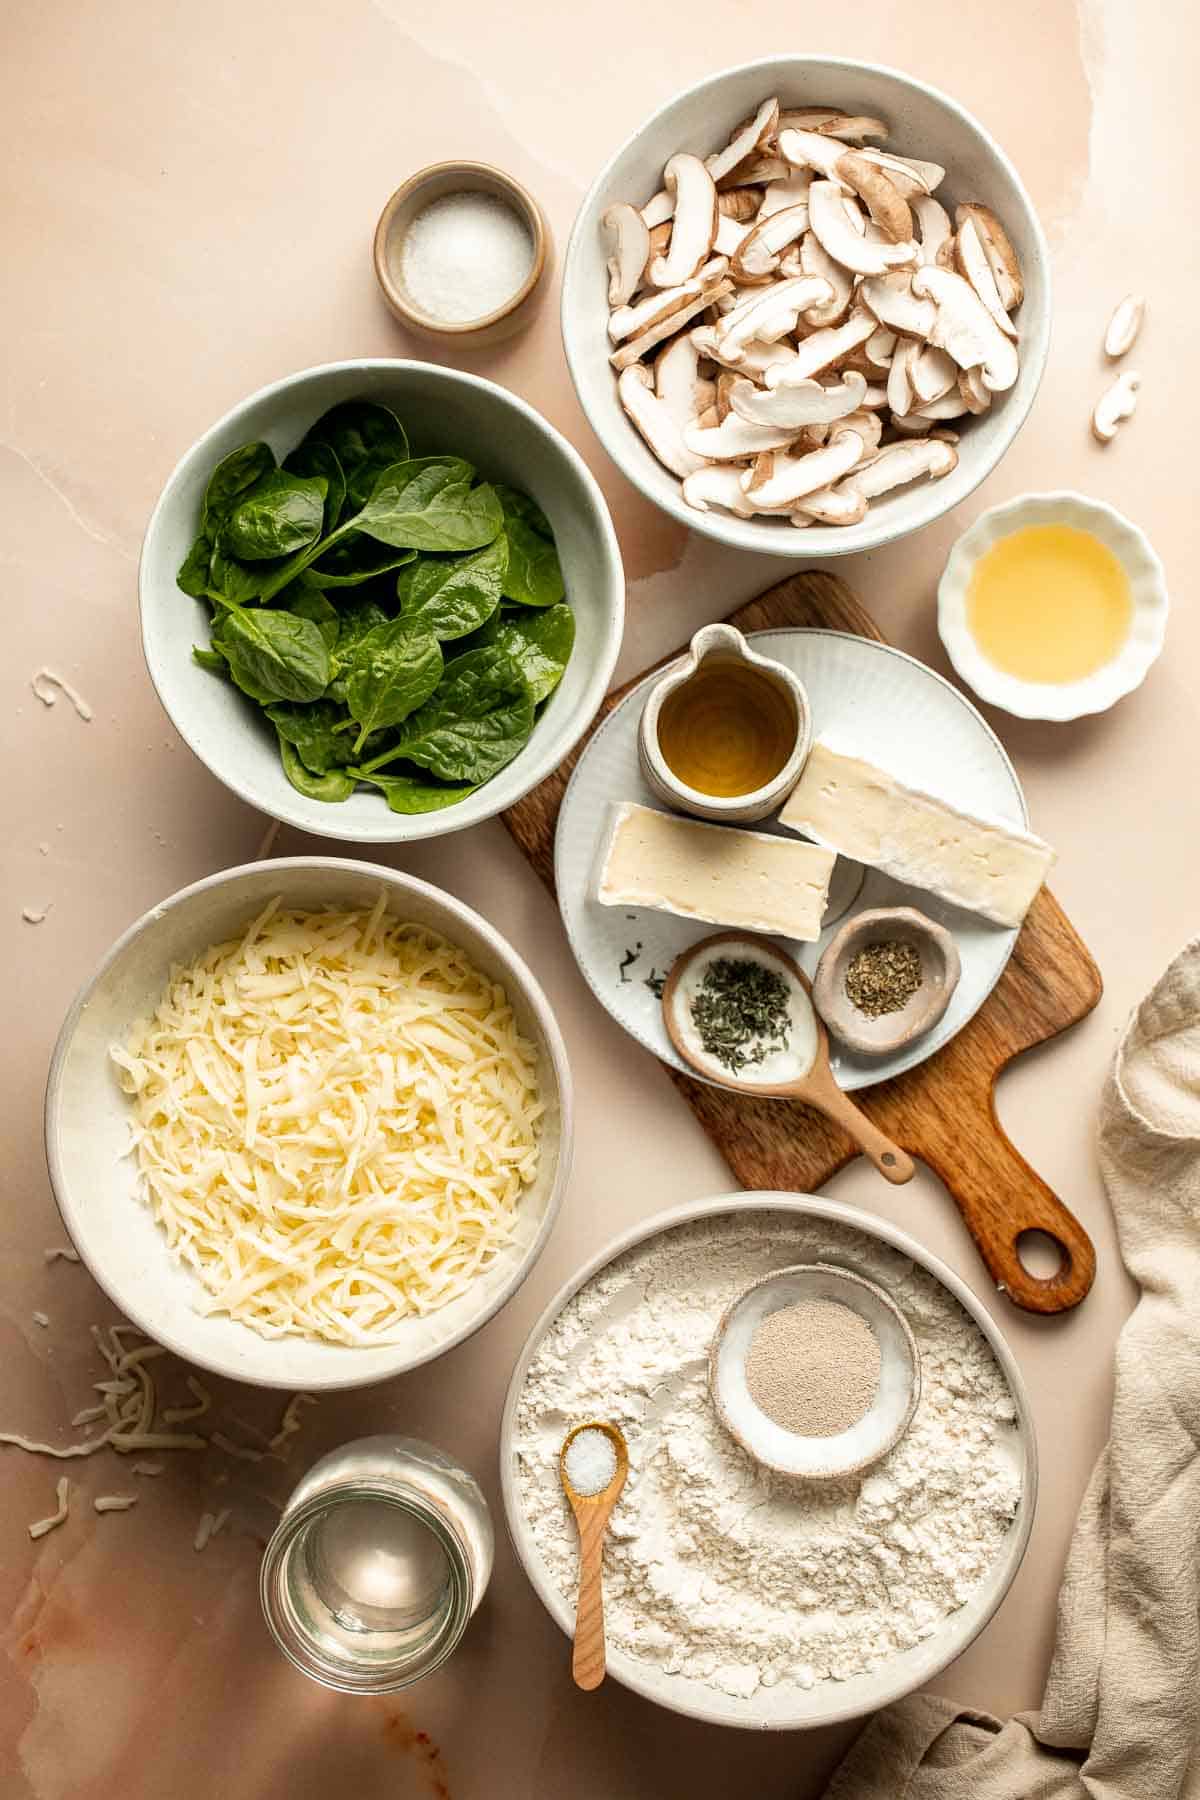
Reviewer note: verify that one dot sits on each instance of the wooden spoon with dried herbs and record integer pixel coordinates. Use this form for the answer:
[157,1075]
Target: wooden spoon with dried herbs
[739,1012]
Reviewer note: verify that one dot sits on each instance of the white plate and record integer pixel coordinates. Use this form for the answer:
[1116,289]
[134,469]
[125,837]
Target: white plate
[902,716]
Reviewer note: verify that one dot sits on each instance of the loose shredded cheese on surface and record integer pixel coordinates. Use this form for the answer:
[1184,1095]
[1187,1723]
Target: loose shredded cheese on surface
[334,1118]
[61,1253]
[62,1490]
[105,1503]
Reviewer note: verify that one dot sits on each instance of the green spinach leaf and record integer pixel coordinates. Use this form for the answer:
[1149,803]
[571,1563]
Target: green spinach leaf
[313,733]
[353,560]
[429,504]
[334,786]
[309,604]
[416,793]
[476,722]
[283,513]
[356,618]
[230,582]
[366,438]
[210,659]
[313,457]
[193,570]
[393,672]
[541,642]
[519,506]
[274,655]
[534,576]
[454,597]
[233,476]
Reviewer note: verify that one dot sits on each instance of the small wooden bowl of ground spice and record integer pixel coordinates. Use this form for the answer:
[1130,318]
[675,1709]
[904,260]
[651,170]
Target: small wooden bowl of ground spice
[885,979]
[815,1372]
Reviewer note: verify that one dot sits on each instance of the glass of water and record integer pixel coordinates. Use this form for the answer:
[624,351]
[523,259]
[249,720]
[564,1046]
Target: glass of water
[382,1555]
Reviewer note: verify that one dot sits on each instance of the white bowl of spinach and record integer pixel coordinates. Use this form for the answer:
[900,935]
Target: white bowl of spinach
[381,600]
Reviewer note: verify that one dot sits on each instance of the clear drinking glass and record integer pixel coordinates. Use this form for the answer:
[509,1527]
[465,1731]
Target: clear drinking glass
[382,1555]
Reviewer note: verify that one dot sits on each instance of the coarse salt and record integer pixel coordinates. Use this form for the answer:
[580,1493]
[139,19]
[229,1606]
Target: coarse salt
[464,256]
[591,1461]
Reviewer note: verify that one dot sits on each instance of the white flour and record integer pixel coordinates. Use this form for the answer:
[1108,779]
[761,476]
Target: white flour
[715,1569]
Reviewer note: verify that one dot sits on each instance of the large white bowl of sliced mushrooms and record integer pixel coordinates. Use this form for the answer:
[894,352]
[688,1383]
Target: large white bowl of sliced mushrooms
[809,294]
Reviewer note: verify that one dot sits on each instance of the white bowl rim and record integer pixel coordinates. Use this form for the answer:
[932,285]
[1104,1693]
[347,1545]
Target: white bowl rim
[1057,702]
[624,1669]
[398,880]
[818,540]
[413,827]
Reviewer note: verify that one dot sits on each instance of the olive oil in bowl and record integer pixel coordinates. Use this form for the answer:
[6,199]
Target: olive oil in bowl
[728,730]
[1049,603]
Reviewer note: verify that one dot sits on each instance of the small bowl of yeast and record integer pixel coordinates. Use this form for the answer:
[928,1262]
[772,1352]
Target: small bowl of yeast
[309,1123]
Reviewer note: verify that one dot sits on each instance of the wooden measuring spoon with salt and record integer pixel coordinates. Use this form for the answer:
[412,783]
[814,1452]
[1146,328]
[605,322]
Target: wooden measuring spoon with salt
[592,1511]
[799,1072]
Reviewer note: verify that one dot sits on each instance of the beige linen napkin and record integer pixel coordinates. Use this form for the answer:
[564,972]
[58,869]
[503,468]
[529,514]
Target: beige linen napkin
[1121,1715]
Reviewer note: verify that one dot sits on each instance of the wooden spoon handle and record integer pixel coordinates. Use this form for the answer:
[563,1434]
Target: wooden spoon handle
[588,1659]
[891,1161]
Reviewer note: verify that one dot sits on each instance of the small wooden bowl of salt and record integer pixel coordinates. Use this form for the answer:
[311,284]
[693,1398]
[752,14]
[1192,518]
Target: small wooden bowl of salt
[815,1372]
[461,250]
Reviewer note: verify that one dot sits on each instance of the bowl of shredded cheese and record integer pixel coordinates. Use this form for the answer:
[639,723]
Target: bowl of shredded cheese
[309,1124]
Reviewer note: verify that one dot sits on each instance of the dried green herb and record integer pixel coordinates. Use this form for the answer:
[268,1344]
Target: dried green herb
[628,960]
[656,983]
[741,1012]
[883,977]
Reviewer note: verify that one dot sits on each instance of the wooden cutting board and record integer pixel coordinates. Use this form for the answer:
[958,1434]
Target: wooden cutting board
[943,1112]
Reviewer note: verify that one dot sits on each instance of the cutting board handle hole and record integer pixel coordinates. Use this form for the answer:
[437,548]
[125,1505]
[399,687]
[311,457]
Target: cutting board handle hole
[1041,1255]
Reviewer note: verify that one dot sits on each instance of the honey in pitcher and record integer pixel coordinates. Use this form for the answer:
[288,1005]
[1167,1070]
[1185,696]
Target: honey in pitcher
[727,731]
[1049,603]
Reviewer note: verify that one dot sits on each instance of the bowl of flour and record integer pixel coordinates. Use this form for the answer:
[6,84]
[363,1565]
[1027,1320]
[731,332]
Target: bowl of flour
[732,1594]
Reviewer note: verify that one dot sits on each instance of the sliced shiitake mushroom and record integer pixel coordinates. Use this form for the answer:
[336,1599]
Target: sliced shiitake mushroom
[965,327]
[629,250]
[655,422]
[998,249]
[838,238]
[879,194]
[792,477]
[802,403]
[694,224]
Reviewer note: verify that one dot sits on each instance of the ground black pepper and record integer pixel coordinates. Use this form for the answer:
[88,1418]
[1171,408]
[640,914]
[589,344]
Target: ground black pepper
[883,977]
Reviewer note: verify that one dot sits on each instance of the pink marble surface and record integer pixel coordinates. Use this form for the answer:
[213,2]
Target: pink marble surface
[188,204]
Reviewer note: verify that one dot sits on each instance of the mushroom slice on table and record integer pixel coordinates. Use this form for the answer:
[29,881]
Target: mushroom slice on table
[694,222]
[971,261]
[778,196]
[629,250]
[655,422]
[966,328]
[735,438]
[757,256]
[811,150]
[745,142]
[717,484]
[815,260]
[635,348]
[821,349]
[1124,326]
[837,236]
[1117,403]
[997,247]
[894,304]
[678,382]
[770,313]
[806,403]
[932,373]
[790,478]
[878,193]
[934,229]
[898,465]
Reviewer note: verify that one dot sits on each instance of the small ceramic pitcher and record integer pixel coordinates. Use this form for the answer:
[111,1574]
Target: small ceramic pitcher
[722,643]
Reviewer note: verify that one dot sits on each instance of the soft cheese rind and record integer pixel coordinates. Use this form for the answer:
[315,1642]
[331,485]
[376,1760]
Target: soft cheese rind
[746,880]
[859,810]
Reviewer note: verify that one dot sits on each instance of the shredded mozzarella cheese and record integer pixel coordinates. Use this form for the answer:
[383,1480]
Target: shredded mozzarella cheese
[334,1117]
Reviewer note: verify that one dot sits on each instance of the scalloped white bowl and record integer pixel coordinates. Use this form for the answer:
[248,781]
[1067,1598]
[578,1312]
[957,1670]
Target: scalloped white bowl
[924,122]
[1056,700]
